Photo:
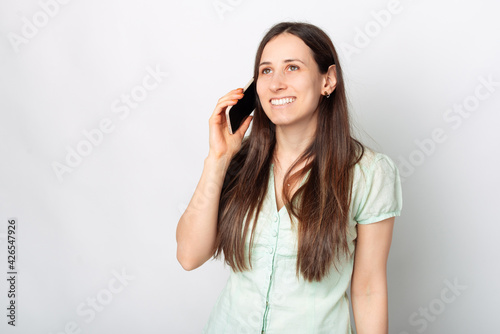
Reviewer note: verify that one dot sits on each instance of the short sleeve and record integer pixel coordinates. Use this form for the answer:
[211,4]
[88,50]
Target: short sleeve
[382,196]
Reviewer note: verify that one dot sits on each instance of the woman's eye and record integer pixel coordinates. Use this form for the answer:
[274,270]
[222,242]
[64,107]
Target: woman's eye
[289,68]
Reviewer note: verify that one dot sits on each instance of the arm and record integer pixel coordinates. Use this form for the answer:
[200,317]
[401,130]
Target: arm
[369,278]
[197,228]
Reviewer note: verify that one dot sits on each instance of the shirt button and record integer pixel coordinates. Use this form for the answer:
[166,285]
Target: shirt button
[270,250]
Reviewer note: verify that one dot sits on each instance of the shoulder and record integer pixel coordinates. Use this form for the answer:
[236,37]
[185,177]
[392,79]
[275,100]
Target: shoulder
[373,162]
[376,190]
[375,170]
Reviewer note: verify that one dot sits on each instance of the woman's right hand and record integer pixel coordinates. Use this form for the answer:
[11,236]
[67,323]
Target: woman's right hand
[222,143]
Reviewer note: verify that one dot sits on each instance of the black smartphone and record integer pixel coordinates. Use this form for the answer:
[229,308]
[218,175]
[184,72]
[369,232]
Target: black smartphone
[236,114]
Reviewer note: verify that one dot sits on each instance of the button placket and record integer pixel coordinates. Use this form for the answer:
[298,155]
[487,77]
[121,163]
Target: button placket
[272,250]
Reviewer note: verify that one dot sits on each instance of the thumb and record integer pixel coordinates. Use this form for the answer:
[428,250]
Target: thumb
[244,126]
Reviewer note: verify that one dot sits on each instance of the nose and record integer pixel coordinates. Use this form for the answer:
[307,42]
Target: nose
[278,81]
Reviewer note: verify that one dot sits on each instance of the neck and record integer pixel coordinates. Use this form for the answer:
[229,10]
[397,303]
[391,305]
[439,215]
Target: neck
[292,141]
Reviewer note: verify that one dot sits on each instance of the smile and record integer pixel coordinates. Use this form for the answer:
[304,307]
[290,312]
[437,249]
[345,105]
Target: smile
[280,102]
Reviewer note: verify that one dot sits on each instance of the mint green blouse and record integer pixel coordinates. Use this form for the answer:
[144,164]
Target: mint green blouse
[270,298]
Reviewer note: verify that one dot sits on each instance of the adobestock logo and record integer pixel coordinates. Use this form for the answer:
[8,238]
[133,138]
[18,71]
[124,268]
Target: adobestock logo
[436,306]
[31,27]
[98,302]
[223,6]
[364,37]
[454,116]
[95,136]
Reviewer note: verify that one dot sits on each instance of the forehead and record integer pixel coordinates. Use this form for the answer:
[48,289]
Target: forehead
[286,46]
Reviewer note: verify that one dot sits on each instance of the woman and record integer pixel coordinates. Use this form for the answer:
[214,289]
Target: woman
[311,193]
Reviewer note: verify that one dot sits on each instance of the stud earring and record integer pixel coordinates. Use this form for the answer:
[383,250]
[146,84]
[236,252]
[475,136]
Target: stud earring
[326,94]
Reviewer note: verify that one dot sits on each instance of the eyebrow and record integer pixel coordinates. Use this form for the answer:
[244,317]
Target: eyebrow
[286,61]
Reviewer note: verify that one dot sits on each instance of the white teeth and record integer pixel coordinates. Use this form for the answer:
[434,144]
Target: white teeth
[279,102]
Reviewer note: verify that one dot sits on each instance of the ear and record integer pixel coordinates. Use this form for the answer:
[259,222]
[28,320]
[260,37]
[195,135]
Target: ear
[330,80]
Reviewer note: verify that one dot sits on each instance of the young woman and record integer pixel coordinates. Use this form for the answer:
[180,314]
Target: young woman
[299,208]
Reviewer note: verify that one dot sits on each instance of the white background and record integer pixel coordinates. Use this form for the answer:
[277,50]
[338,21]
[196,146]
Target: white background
[116,212]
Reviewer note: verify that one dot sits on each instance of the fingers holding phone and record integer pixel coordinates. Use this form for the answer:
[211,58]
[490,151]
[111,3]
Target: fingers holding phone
[221,142]
[236,114]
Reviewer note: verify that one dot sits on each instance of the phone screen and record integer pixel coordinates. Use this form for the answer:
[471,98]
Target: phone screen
[237,113]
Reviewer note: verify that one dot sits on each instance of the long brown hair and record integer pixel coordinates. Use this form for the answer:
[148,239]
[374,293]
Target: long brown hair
[323,200]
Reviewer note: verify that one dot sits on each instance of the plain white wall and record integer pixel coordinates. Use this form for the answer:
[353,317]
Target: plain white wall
[96,240]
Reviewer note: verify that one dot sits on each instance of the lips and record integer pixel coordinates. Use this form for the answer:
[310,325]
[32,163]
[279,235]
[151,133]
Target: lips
[282,101]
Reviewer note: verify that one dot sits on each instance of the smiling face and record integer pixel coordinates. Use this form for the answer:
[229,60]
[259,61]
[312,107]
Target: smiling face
[289,84]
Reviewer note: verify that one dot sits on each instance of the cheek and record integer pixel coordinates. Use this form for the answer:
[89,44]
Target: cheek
[259,88]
